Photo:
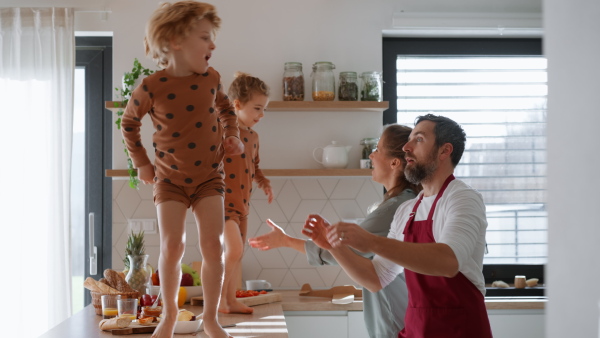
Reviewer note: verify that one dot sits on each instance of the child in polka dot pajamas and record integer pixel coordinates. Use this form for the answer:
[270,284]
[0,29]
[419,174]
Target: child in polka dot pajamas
[250,97]
[195,127]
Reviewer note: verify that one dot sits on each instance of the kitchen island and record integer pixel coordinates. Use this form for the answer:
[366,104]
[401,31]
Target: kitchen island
[268,319]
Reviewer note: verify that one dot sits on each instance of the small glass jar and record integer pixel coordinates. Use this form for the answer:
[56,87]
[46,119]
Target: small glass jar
[323,81]
[293,82]
[372,86]
[369,145]
[348,87]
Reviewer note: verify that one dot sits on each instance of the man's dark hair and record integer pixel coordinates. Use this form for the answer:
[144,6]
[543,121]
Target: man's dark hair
[447,131]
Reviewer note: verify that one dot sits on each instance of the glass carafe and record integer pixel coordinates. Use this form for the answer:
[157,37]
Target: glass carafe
[139,274]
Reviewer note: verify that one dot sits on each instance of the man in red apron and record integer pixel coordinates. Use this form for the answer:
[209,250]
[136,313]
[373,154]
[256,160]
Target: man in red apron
[438,238]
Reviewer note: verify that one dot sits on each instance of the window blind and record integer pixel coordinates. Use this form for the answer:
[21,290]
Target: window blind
[500,101]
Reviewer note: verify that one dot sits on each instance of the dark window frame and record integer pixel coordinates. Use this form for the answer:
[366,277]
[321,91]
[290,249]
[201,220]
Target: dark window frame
[394,46]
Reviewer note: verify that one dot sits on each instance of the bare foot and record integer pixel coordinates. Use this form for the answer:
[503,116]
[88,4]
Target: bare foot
[165,328]
[235,307]
[214,330]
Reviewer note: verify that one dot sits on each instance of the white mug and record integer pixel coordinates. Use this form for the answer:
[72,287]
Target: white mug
[257,284]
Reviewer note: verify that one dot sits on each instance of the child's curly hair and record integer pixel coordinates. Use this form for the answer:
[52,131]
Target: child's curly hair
[173,21]
[245,85]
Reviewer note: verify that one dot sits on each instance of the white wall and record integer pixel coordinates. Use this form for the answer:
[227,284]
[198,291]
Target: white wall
[572,47]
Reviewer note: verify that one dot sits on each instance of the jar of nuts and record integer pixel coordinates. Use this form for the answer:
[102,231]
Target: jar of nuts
[323,81]
[293,82]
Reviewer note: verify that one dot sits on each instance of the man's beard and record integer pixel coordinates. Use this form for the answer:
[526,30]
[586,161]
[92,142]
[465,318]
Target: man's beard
[418,173]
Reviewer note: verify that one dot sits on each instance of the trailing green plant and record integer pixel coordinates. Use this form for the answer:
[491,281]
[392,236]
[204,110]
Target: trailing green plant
[124,93]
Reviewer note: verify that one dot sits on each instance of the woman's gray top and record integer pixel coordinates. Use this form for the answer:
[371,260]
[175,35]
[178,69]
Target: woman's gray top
[383,310]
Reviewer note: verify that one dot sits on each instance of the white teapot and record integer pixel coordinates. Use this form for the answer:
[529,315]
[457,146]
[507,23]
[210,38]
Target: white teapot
[335,156]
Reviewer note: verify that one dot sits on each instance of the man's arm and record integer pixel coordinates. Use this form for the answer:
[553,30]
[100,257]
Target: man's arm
[434,259]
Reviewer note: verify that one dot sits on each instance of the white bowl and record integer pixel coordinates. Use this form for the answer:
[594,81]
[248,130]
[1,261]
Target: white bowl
[191,291]
[188,326]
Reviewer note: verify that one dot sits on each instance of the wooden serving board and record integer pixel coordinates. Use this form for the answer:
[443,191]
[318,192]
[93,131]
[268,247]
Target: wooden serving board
[134,329]
[270,297]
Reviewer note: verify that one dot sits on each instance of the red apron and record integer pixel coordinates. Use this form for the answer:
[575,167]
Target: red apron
[441,306]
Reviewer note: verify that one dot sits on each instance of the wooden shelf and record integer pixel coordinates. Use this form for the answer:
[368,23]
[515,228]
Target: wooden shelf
[328,105]
[302,105]
[279,172]
[113,105]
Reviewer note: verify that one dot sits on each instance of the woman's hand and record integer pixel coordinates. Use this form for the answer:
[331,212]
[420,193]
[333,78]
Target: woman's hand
[315,228]
[349,234]
[275,239]
[233,145]
[146,173]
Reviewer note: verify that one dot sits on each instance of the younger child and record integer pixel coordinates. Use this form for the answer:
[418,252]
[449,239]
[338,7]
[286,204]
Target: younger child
[195,126]
[250,97]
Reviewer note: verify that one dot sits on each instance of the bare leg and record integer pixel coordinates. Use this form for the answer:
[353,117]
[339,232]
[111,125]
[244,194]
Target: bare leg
[171,221]
[234,250]
[209,216]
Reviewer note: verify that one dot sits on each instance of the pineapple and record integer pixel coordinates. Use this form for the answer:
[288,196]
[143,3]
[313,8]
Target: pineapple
[136,262]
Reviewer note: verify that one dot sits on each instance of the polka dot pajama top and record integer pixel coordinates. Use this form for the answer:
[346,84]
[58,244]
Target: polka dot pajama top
[190,116]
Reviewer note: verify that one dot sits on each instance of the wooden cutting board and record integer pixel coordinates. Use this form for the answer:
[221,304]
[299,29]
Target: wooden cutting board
[133,329]
[270,297]
[340,291]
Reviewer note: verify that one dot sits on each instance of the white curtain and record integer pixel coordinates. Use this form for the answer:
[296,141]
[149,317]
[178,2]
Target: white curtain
[37,62]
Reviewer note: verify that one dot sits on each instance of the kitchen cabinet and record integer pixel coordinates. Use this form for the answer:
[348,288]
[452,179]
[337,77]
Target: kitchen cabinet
[351,107]
[316,324]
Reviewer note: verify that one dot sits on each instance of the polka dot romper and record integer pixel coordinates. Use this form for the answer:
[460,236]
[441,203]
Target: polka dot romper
[240,171]
[190,115]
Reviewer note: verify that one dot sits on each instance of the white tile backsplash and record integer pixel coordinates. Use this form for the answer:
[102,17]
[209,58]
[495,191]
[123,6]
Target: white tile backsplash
[285,268]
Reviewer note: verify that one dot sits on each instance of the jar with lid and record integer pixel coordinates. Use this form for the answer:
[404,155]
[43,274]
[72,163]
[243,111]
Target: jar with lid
[372,86]
[293,82]
[369,145]
[323,81]
[348,87]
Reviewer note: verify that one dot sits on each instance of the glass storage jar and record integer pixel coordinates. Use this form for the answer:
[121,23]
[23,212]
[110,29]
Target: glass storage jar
[372,86]
[293,82]
[348,87]
[323,81]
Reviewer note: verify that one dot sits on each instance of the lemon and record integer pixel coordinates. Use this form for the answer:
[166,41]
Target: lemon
[181,296]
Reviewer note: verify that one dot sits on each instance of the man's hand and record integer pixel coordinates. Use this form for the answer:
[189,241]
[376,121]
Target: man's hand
[350,234]
[233,145]
[146,173]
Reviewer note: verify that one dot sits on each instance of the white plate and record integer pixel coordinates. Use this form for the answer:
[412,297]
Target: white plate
[188,326]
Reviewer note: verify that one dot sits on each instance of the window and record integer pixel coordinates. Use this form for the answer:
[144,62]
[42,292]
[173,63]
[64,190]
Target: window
[496,89]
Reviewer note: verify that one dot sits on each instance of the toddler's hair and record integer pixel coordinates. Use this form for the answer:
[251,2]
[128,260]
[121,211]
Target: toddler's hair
[245,85]
[174,21]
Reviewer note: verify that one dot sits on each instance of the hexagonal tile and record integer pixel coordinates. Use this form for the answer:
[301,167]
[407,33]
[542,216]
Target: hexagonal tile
[273,276]
[329,274]
[266,211]
[347,188]
[145,210]
[310,276]
[328,185]
[288,199]
[347,209]
[276,185]
[307,207]
[367,197]
[250,266]
[309,189]
[254,224]
[289,282]
[300,262]
[128,201]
